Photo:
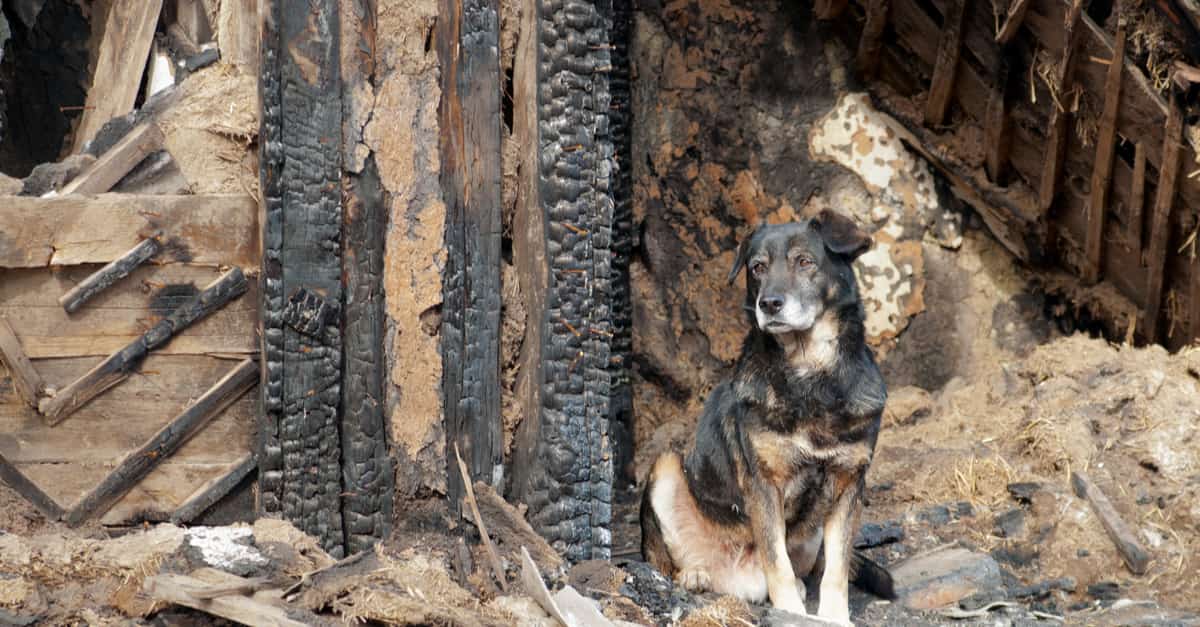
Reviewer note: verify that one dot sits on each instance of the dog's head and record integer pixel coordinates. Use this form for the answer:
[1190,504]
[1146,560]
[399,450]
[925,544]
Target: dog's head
[797,271]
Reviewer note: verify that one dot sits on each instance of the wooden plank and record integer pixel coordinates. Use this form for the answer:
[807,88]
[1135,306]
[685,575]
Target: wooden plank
[21,484]
[1135,556]
[946,67]
[997,137]
[70,230]
[117,161]
[192,18]
[1012,21]
[183,590]
[137,464]
[237,34]
[119,365]
[109,274]
[120,62]
[116,317]
[1102,169]
[470,125]
[300,474]
[1056,142]
[1164,200]
[214,490]
[1137,202]
[867,57]
[26,380]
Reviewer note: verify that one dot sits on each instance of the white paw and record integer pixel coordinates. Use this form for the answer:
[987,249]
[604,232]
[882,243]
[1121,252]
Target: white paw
[838,614]
[695,580]
[792,603]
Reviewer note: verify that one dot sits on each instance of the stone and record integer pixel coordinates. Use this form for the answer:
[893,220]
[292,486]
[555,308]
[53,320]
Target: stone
[944,577]
[876,534]
[1015,555]
[935,515]
[49,177]
[10,186]
[1023,491]
[1042,589]
[1010,524]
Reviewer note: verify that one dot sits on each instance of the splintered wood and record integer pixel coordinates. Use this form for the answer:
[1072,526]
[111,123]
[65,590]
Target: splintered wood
[120,62]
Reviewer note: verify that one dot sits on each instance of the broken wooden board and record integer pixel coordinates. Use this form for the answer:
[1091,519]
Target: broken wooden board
[70,230]
[120,62]
[116,162]
[117,316]
[1135,556]
[25,378]
[190,592]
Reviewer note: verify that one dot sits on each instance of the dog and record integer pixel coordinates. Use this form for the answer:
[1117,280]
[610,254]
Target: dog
[776,472]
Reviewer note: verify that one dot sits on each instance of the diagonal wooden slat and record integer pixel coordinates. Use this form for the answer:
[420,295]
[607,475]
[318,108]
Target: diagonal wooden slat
[109,274]
[26,380]
[137,464]
[214,490]
[1164,200]
[22,485]
[1012,21]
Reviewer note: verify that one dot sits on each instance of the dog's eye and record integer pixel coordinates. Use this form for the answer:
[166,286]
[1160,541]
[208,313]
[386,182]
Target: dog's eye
[758,267]
[804,262]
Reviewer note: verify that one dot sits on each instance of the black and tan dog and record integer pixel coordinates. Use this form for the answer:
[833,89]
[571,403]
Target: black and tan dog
[777,469]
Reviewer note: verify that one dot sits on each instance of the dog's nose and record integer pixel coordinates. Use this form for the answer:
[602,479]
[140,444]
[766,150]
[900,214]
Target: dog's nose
[770,304]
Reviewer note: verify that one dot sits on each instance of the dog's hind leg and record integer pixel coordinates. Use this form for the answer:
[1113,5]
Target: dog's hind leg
[835,582]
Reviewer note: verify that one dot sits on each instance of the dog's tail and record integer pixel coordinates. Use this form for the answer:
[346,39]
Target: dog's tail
[872,577]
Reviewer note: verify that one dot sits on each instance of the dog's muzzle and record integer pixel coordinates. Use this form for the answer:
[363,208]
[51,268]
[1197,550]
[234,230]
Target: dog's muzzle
[779,314]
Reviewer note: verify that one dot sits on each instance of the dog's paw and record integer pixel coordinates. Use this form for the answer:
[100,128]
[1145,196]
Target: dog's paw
[837,615]
[695,580]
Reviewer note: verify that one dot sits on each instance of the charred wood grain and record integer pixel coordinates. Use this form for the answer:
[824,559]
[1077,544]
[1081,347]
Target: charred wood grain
[569,487]
[1164,201]
[109,274]
[138,463]
[470,124]
[19,483]
[122,363]
[301,125]
[25,378]
[214,490]
[367,476]
[1105,151]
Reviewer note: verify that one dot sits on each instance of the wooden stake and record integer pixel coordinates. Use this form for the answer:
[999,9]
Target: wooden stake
[214,490]
[869,45]
[493,556]
[26,488]
[949,49]
[120,62]
[1137,201]
[1135,556]
[114,164]
[109,274]
[1056,143]
[137,464]
[1102,167]
[26,380]
[1164,200]
[1016,15]
[120,364]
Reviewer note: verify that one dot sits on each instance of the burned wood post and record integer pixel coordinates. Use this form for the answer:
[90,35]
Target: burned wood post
[469,121]
[563,466]
[299,440]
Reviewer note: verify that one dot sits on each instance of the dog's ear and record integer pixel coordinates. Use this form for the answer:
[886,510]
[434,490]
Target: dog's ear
[842,236]
[739,260]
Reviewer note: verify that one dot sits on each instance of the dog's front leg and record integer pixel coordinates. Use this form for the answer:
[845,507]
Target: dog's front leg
[835,582]
[770,536]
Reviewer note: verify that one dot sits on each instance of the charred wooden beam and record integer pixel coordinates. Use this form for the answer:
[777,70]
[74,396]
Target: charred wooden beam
[621,131]
[117,161]
[122,363]
[301,125]
[867,57]
[1102,167]
[104,277]
[944,70]
[470,125]
[1012,21]
[214,490]
[1137,201]
[26,380]
[21,484]
[138,463]
[1164,200]
[569,488]
[996,131]
[1056,143]
[1135,556]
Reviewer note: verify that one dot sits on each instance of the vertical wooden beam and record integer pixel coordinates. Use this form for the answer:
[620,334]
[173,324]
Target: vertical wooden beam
[470,123]
[1164,200]
[997,140]
[869,45]
[621,127]
[120,63]
[1056,142]
[1102,167]
[941,87]
[1012,22]
[299,453]
[237,34]
[368,479]
[1137,201]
